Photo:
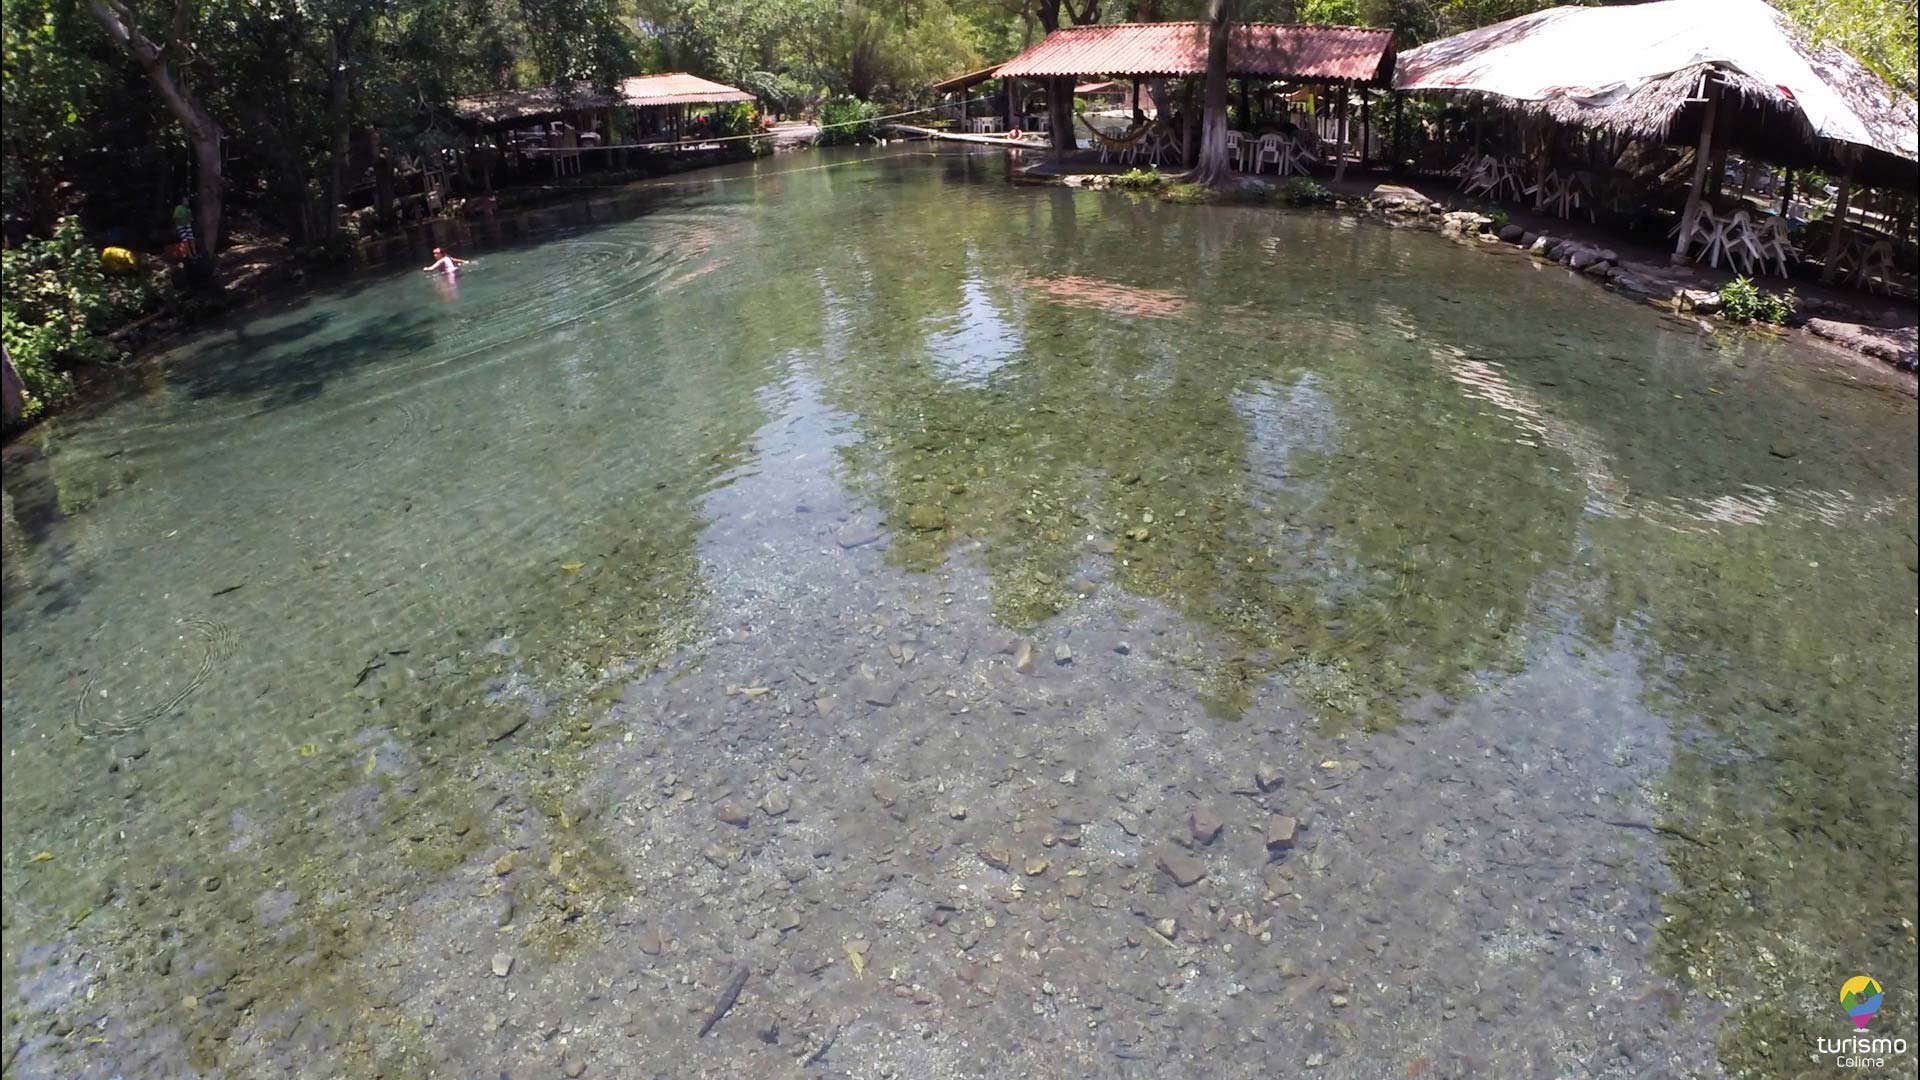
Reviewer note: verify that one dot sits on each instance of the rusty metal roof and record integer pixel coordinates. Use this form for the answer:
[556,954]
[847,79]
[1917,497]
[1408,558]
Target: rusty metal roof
[677,88]
[1345,54]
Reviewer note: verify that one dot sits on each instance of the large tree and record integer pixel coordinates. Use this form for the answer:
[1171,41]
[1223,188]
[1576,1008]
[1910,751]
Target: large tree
[1213,168]
[1060,90]
[165,63]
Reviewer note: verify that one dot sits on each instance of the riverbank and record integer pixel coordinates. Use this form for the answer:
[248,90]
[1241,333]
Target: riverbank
[1886,331]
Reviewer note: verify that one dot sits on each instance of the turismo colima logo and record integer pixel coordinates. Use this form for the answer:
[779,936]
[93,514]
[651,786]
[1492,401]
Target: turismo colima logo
[1861,997]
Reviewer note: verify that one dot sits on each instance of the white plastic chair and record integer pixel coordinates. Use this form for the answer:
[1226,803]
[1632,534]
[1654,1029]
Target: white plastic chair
[1269,149]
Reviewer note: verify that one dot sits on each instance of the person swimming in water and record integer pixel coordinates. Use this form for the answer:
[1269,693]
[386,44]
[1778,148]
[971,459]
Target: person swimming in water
[443,263]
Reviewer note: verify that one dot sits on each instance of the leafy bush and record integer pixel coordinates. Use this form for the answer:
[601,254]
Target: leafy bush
[739,118]
[781,91]
[1142,180]
[1743,301]
[1303,191]
[1499,218]
[846,120]
[55,303]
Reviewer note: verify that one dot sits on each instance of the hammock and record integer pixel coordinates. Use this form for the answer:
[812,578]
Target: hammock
[1134,134]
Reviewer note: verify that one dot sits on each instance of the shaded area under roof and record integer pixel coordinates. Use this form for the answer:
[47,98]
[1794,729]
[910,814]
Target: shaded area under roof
[1325,54]
[1639,69]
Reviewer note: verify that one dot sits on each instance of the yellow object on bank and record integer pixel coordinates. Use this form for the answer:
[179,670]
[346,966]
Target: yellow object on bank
[117,260]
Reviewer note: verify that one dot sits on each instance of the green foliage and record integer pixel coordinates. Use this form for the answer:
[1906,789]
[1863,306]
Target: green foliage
[739,118]
[1142,180]
[1189,194]
[1499,219]
[1304,191]
[846,121]
[1743,301]
[55,303]
[786,51]
[1882,33]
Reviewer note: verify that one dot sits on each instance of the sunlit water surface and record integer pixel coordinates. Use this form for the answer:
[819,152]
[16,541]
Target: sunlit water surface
[384,680]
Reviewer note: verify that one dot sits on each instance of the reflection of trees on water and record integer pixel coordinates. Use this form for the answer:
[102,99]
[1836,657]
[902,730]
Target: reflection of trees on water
[1790,668]
[1397,552]
[456,606]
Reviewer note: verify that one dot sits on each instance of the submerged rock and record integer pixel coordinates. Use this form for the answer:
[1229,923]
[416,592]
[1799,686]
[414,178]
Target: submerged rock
[1281,832]
[1183,869]
[926,517]
[1204,825]
[1267,776]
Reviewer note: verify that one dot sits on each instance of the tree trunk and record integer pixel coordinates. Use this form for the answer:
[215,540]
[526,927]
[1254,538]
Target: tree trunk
[338,92]
[13,392]
[1213,168]
[202,131]
[1060,115]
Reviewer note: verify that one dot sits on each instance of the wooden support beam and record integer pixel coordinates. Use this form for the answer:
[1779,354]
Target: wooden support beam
[1399,132]
[1701,154]
[1366,125]
[1830,259]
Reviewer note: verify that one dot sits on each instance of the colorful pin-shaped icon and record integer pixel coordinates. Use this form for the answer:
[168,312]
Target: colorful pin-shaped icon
[1861,998]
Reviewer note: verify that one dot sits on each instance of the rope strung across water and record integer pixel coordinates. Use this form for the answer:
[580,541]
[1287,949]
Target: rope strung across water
[821,127]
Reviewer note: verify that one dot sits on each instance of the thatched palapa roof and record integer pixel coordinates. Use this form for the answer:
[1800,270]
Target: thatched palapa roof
[509,106]
[1640,70]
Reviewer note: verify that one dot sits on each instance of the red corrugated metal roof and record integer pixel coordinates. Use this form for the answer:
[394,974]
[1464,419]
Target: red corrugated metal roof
[1269,50]
[677,88]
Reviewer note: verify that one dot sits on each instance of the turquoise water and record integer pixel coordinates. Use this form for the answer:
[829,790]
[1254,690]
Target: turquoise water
[979,543]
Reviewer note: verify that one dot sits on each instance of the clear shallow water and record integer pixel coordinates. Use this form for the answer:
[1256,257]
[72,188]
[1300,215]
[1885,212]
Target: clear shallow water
[427,624]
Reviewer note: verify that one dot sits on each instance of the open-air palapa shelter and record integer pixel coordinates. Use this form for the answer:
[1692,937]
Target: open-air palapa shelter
[1334,56]
[561,125]
[964,85]
[1703,73]
[500,109]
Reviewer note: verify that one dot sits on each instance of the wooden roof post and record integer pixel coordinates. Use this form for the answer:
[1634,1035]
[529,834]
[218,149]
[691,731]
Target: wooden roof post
[1341,132]
[1366,124]
[1700,155]
[1399,132]
[1829,261]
